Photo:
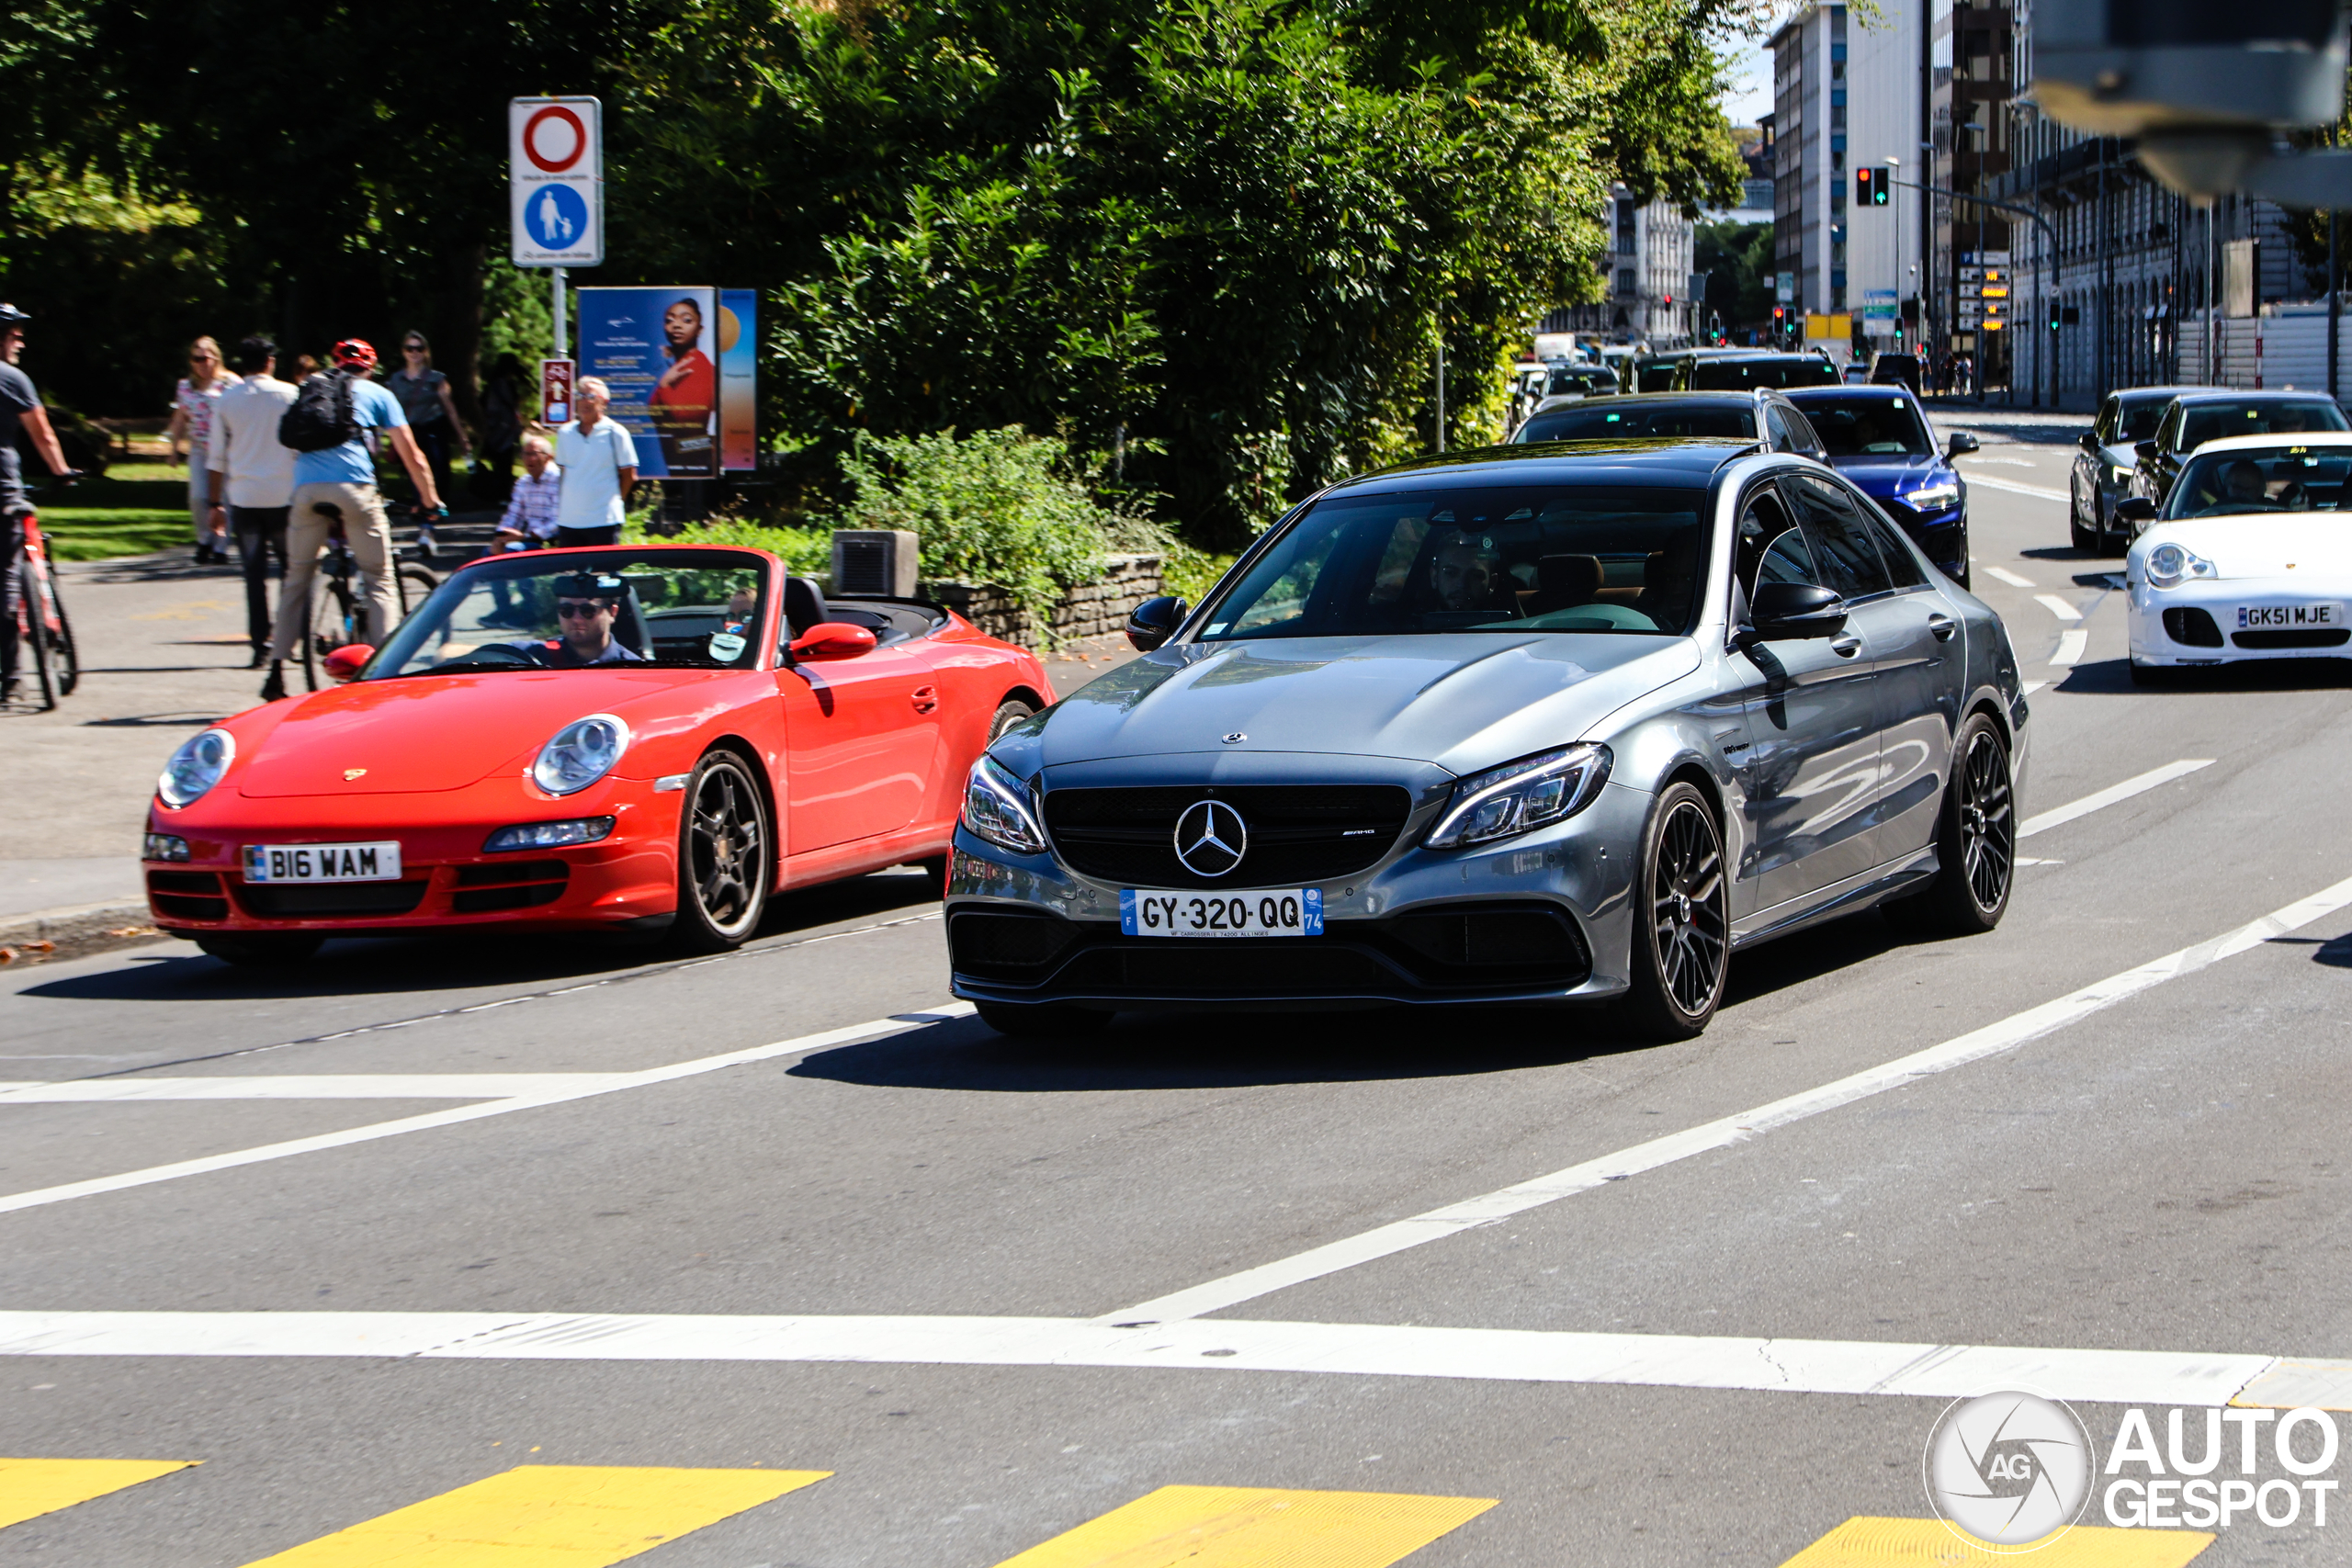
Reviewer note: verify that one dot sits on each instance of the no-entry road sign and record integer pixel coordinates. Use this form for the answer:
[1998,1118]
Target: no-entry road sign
[556,157]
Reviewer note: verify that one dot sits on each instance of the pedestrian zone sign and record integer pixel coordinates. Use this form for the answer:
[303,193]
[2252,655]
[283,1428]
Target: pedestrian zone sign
[556,160]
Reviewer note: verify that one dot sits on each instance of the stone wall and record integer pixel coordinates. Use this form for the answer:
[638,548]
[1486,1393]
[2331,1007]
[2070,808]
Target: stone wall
[1083,612]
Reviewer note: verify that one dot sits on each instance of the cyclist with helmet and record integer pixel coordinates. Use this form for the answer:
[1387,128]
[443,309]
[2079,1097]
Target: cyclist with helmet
[20,410]
[344,477]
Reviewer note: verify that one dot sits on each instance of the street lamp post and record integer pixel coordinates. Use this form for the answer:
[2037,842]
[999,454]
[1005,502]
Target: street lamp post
[1894,168]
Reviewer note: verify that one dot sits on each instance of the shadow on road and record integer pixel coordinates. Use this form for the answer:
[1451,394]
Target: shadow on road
[472,958]
[2112,677]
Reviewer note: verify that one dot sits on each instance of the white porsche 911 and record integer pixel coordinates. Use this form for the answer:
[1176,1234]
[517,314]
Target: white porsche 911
[2250,557]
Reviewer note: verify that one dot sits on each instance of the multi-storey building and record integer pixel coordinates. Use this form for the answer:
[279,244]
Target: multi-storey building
[1646,277]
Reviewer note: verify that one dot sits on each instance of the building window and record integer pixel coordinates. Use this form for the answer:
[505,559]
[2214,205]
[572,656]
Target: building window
[1837,116]
[1625,282]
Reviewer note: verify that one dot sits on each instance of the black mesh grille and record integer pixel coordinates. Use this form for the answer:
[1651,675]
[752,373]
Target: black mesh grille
[498,874]
[484,900]
[2315,639]
[330,899]
[1298,833]
[188,894]
[2192,628]
[1014,946]
[1281,968]
[1519,940]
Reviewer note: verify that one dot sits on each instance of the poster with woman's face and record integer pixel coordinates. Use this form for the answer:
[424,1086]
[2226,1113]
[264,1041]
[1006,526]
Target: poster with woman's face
[657,349]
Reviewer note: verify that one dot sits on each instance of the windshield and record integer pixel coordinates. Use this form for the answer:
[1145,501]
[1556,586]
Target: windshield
[1743,375]
[2212,421]
[1564,557]
[1869,427]
[2267,479]
[1614,421]
[1588,379]
[692,608]
[1654,375]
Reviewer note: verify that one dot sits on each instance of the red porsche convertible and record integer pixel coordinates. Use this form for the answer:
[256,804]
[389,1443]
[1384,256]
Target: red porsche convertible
[648,736]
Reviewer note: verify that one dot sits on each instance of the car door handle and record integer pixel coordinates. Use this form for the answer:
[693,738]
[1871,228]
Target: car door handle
[926,699]
[1942,626]
[1845,647]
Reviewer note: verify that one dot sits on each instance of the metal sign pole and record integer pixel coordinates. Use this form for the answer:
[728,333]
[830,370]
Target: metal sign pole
[562,338]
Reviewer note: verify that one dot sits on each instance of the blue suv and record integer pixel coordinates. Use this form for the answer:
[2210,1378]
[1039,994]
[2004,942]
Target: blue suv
[1879,437]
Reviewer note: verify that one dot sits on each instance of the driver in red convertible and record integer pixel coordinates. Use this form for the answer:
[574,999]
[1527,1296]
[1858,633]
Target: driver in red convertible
[586,608]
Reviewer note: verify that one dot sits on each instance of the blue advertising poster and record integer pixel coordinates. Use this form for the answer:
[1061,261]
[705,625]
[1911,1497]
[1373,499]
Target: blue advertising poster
[739,358]
[657,350]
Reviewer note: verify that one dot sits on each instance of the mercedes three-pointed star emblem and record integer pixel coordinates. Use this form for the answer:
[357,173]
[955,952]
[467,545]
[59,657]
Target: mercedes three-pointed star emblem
[1210,838]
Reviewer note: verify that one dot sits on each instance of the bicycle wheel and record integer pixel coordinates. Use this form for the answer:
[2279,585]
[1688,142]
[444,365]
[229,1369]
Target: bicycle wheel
[414,584]
[331,626]
[63,660]
[32,637]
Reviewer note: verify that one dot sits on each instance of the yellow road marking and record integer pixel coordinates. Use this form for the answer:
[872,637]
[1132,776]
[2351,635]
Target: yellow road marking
[31,1487]
[1926,1543]
[1248,1526]
[548,1516]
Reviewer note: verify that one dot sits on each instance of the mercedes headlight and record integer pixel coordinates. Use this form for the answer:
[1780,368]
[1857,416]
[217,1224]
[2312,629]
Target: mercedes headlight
[996,808]
[581,752]
[1518,797]
[2169,563]
[196,767]
[1934,497]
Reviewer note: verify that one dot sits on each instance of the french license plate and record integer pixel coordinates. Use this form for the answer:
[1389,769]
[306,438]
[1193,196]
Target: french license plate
[1283,911]
[2290,617]
[323,863]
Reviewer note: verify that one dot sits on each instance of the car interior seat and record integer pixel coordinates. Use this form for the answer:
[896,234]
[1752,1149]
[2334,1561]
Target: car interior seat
[1562,582]
[804,605]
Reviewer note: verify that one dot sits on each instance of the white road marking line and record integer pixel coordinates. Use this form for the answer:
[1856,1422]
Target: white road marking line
[2011,577]
[612,1083]
[2070,649]
[2058,607]
[1989,482]
[2031,687]
[1975,457]
[2028,859]
[308,1086]
[2043,821]
[1362,1350]
[1401,1236]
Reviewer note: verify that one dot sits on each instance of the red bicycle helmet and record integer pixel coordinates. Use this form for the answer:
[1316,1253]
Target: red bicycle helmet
[355,354]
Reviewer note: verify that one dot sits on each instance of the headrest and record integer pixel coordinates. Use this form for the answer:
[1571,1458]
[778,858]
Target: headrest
[804,605]
[1572,577]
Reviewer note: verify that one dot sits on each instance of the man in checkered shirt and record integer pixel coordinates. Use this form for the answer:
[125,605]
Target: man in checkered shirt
[529,519]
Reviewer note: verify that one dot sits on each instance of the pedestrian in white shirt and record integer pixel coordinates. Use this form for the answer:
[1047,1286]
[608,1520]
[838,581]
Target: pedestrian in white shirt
[599,466]
[253,478]
[527,524]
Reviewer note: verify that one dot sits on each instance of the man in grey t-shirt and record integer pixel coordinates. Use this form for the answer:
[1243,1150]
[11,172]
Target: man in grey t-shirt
[19,410]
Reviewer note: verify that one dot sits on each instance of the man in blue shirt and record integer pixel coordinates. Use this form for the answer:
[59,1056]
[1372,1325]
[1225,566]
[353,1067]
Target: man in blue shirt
[345,477]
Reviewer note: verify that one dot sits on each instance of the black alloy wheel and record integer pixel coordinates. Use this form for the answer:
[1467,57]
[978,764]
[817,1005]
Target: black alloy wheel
[1976,842]
[1682,943]
[725,859]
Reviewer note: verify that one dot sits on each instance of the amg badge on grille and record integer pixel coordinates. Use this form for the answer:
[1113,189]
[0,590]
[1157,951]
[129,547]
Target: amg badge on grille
[1210,838]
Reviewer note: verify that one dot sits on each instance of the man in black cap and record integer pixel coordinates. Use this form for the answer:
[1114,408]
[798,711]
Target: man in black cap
[586,605]
[19,410]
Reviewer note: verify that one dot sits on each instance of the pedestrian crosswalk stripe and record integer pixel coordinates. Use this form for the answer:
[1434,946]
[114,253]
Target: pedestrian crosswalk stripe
[1248,1526]
[31,1487]
[548,1516]
[1928,1543]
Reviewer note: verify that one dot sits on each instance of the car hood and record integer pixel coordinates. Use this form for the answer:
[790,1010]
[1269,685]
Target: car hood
[2312,545]
[1463,701]
[424,733]
[1881,477]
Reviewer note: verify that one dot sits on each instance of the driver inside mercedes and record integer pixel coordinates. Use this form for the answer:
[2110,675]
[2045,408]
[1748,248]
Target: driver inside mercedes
[586,608]
[1464,572]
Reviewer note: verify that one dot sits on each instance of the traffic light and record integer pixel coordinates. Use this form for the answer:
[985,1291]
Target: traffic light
[1871,187]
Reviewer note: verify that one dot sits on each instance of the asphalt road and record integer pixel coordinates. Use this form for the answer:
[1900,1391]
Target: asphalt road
[559,1207]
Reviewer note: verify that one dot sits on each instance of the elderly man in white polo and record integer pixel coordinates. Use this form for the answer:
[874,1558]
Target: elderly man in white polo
[599,465]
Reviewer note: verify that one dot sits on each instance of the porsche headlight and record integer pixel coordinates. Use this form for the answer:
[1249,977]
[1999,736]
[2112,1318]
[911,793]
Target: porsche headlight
[1518,797]
[2169,563]
[1934,497]
[996,808]
[196,767]
[581,752]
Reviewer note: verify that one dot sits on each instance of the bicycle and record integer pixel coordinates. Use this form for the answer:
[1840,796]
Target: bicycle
[339,614]
[42,630]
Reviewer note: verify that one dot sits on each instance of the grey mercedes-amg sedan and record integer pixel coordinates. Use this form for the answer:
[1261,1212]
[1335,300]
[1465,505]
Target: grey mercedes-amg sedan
[1516,726]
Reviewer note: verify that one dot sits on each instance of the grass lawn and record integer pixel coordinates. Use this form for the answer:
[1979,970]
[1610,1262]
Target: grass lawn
[136,509]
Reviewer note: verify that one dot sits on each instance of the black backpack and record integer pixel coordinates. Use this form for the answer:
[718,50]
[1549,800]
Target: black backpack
[321,418]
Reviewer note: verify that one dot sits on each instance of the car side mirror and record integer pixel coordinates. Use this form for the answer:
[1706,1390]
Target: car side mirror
[2144,450]
[1154,621]
[832,640]
[2136,509]
[1960,442]
[2088,441]
[346,662]
[1784,611]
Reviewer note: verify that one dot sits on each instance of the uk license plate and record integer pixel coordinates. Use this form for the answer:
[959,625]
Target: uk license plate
[1283,912]
[2290,617]
[379,861]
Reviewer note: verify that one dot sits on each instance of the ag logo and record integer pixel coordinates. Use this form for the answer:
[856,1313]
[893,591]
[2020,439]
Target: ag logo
[2008,1469]
[1210,838]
